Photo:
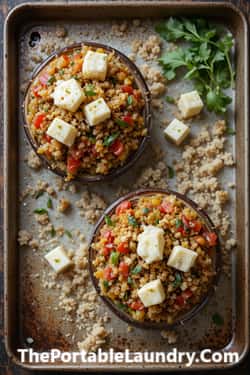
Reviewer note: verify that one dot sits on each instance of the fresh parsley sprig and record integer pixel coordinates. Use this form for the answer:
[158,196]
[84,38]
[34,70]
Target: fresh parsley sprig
[206,58]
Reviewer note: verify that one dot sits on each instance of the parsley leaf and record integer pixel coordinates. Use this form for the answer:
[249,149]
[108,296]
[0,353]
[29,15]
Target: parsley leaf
[205,58]
[40,211]
[108,221]
[132,221]
[136,270]
[89,90]
[108,141]
[170,172]
[218,319]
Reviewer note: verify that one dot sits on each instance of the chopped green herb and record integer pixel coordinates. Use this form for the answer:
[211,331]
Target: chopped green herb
[136,270]
[105,284]
[57,260]
[218,319]
[206,58]
[92,139]
[52,232]
[40,211]
[61,72]
[121,123]
[170,172]
[126,295]
[108,221]
[49,203]
[178,223]
[108,141]
[114,258]
[39,194]
[51,80]
[178,280]
[170,99]
[68,233]
[130,281]
[157,221]
[113,80]
[89,90]
[130,100]
[122,306]
[145,210]
[132,221]
[230,131]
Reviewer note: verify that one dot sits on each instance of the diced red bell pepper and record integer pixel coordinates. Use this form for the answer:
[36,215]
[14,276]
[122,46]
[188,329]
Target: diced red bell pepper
[124,206]
[73,164]
[166,207]
[44,78]
[109,236]
[107,249]
[211,238]
[47,138]
[124,269]
[195,225]
[35,91]
[123,248]
[137,305]
[180,300]
[128,89]
[187,294]
[39,119]
[108,274]
[117,147]
[128,119]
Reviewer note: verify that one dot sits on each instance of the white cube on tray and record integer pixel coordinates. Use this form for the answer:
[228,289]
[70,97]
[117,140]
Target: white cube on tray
[58,259]
[190,104]
[68,95]
[177,131]
[95,65]
[62,132]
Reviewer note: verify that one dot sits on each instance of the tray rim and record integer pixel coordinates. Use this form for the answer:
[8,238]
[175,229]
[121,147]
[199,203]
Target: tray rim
[14,12]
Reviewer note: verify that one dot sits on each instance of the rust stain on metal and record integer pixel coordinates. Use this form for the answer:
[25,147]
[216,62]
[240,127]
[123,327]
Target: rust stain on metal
[43,332]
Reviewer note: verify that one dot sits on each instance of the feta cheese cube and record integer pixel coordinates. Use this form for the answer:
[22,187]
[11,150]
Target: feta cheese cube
[97,111]
[177,131]
[95,65]
[182,259]
[68,95]
[152,293]
[58,259]
[151,244]
[62,132]
[190,104]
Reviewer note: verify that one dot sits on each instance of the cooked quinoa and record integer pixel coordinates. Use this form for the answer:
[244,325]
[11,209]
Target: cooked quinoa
[96,149]
[121,272]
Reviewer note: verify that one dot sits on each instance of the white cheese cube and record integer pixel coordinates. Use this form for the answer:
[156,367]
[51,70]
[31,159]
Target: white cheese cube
[58,259]
[152,293]
[95,65]
[151,244]
[97,111]
[68,95]
[62,132]
[182,259]
[177,131]
[190,104]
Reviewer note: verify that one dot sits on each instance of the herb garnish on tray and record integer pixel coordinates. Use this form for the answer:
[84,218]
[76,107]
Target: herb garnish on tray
[206,58]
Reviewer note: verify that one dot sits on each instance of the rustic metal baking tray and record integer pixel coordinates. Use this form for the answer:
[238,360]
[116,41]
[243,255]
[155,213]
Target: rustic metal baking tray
[31,15]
